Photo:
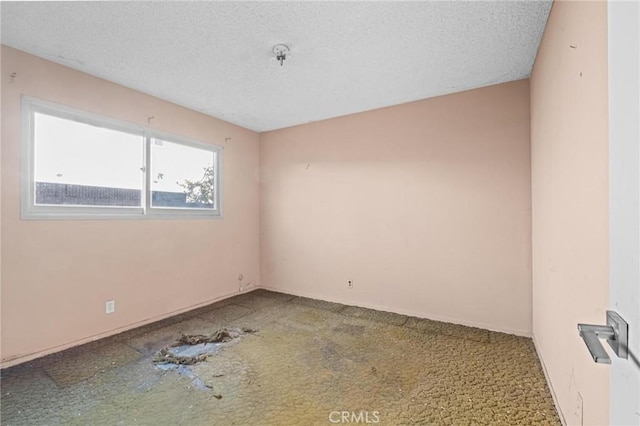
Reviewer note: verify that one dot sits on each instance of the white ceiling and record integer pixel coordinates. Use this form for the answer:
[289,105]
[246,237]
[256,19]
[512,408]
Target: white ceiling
[346,57]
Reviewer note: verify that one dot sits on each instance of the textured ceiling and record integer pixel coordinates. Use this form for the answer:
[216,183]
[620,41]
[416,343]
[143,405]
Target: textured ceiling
[346,57]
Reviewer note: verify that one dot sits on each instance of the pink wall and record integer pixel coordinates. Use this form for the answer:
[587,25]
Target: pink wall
[425,206]
[569,145]
[57,275]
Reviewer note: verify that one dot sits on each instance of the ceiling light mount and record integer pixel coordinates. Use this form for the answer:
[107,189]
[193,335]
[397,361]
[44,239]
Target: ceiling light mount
[281,51]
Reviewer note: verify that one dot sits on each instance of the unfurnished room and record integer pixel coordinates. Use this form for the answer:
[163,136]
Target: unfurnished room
[320,212]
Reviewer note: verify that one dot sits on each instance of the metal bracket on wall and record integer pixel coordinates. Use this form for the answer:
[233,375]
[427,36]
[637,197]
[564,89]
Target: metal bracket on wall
[616,332]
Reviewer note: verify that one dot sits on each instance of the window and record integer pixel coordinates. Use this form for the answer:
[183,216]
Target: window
[182,176]
[79,165]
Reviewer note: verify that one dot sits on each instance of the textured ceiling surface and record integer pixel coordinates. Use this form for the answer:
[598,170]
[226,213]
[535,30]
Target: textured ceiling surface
[346,57]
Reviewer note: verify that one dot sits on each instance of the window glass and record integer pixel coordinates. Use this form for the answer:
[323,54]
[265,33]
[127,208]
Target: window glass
[182,176]
[79,164]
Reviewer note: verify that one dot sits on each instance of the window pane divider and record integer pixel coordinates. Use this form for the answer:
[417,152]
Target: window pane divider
[146,186]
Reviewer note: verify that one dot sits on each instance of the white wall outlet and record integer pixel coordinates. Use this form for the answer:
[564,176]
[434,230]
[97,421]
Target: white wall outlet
[110,306]
[350,284]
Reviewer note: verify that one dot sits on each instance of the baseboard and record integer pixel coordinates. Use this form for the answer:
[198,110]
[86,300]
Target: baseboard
[546,377]
[458,321]
[29,357]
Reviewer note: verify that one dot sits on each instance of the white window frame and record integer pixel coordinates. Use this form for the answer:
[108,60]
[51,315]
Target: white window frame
[31,211]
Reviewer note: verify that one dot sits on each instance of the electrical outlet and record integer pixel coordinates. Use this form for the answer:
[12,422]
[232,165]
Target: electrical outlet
[110,306]
[350,284]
